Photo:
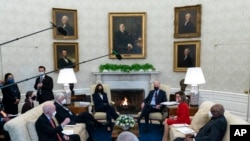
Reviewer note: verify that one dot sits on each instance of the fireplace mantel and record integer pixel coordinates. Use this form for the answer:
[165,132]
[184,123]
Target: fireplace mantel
[129,80]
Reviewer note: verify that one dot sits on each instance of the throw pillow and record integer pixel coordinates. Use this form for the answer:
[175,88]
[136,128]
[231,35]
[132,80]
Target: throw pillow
[199,120]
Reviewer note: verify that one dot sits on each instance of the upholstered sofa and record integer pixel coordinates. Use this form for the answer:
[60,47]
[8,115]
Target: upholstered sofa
[22,127]
[201,118]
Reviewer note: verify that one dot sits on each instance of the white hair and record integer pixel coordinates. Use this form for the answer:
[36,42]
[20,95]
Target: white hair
[58,96]
[127,136]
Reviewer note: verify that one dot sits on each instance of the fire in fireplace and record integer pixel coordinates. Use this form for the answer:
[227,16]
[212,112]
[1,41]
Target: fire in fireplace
[127,101]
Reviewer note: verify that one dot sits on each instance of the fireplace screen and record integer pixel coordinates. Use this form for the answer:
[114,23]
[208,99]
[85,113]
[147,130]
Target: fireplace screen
[127,101]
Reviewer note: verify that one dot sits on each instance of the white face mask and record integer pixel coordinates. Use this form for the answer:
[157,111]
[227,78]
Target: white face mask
[41,73]
[64,101]
[210,114]
[54,114]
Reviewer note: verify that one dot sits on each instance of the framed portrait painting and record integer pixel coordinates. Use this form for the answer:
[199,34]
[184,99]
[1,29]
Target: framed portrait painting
[187,22]
[127,34]
[67,19]
[186,54]
[66,55]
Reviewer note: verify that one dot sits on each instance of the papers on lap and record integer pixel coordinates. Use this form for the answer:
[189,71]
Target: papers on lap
[68,132]
[185,130]
[180,125]
[167,103]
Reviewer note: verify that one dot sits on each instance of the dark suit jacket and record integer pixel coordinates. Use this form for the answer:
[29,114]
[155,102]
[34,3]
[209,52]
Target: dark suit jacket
[100,103]
[63,64]
[121,41]
[188,28]
[160,98]
[69,29]
[62,113]
[214,130]
[188,62]
[45,131]
[46,90]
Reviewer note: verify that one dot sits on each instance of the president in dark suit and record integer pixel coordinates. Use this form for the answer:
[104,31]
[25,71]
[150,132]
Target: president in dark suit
[187,61]
[101,103]
[66,26]
[84,117]
[152,103]
[47,129]
[44,86]
[187,26]
[213,130]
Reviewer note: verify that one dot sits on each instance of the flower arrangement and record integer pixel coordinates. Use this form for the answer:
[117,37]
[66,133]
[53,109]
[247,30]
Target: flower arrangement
[125,121]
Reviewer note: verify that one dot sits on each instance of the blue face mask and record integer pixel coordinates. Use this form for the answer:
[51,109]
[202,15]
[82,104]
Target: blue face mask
[11,80]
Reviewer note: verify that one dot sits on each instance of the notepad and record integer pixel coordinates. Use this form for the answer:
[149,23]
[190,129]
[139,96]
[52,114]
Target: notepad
[68,132]
[84,103]
[185,130]
[180,125]
[168,103]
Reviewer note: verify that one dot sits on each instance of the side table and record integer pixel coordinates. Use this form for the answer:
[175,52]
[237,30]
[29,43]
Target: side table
[78,107]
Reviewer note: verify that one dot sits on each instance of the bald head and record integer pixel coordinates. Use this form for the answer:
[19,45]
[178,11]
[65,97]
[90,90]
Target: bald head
[127,136]
[49,108]
[65,19]
[217,110]
[156,84]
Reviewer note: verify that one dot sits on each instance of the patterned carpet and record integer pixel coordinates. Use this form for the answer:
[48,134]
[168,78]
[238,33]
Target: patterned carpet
[154,133]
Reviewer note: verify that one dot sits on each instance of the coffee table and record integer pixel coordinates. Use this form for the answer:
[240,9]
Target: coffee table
[117,130]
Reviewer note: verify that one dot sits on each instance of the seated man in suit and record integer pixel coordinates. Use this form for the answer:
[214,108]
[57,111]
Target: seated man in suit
[152,103]
[47,129]
[213,130]
[84,117]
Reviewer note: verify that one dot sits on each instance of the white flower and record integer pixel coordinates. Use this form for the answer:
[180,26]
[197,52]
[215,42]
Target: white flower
[125,120]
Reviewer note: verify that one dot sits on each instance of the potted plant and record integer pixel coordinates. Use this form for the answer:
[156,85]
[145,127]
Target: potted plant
[136,67]
[148,67]
[125,68]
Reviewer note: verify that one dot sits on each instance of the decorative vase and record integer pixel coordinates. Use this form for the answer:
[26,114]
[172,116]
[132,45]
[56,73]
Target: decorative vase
[126,127]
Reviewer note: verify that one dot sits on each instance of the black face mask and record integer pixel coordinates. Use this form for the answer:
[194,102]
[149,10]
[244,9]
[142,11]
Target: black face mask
[156,88]
[33,97]
[100,90]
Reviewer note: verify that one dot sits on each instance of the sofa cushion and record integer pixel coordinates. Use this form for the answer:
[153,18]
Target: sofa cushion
[199,120]
[32,130]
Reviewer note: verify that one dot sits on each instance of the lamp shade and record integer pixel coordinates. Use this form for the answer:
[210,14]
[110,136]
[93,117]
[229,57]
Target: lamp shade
[66,75]
[194,76]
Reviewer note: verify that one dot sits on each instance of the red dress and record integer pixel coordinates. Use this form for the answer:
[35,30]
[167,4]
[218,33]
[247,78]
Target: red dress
[182,115]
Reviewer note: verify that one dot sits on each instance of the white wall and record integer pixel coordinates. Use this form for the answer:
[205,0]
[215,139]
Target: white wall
[224,23]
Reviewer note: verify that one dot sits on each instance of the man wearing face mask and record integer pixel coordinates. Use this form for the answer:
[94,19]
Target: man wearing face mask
[213,130]
[28,102]
[84,117]
[11,95]
[44,86]
[47,129]
[152,103]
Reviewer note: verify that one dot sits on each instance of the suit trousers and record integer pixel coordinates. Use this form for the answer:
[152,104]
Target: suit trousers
[147,109]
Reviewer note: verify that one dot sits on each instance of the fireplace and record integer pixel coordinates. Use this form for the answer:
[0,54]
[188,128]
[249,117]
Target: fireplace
[127,101]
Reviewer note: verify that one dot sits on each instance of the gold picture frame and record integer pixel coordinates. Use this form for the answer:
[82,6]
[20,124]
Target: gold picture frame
[67,19]
[187,21]
[72,55]
[131,42]
[186,54]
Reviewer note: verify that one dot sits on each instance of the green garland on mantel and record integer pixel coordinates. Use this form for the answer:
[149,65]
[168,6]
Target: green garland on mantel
[126,68]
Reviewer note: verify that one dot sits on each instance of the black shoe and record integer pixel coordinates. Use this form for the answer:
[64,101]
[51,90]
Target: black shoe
[90,139]
[139,122]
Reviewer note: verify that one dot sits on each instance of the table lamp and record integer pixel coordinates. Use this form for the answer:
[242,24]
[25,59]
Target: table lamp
[194,77]
[65,77]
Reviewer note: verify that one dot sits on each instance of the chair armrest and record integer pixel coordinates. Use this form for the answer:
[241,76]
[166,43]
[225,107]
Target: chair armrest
[112,103]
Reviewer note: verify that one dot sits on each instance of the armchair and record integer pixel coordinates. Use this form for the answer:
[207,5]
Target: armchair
[100,115]
[157,115]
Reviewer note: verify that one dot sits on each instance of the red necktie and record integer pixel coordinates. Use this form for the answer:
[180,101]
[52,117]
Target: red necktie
[53,125]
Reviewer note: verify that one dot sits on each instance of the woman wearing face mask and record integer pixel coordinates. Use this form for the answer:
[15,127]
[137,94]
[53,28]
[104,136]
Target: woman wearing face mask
[182,114]
[102,105]
[29,104]
[11,95]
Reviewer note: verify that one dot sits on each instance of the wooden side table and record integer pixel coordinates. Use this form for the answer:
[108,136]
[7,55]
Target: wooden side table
[172,110]
[117,130]
[77,107]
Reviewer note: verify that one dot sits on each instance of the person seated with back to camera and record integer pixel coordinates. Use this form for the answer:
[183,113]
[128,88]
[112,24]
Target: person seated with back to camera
[101,103]
[63,112]
[127,136]
[29,101]
[152,103]
[182,114]
[213,130]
